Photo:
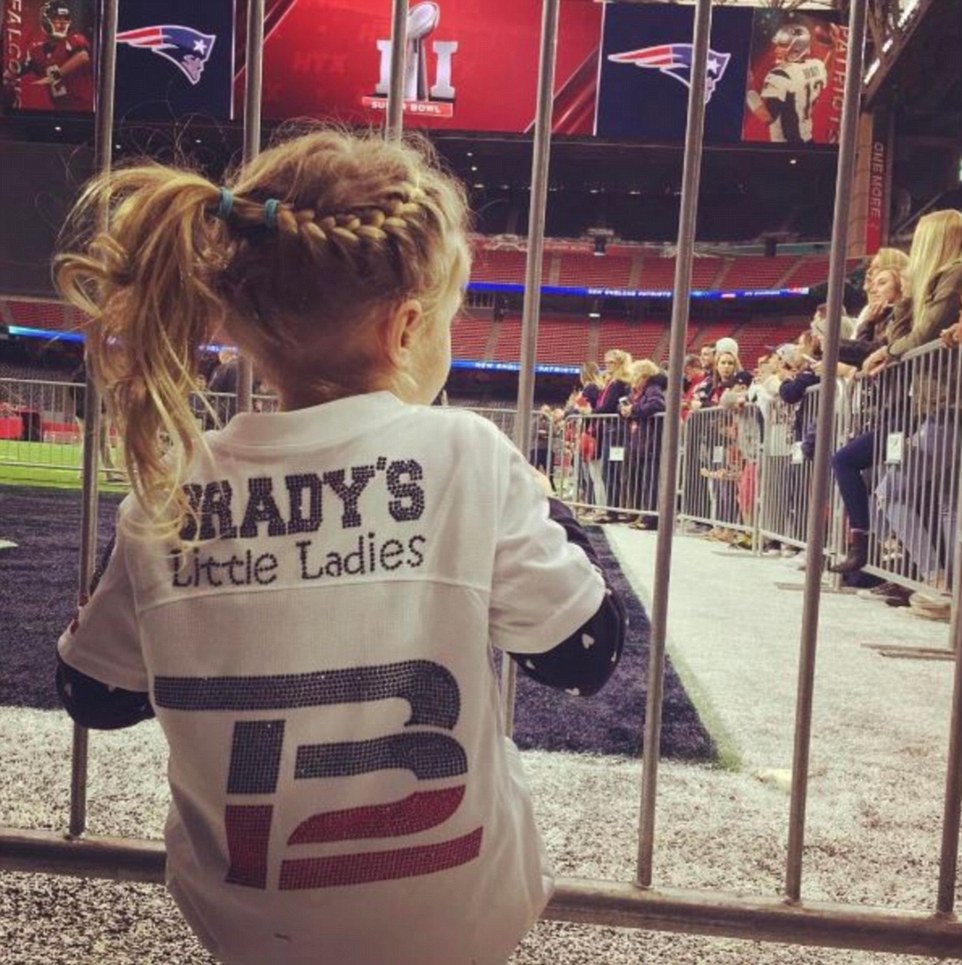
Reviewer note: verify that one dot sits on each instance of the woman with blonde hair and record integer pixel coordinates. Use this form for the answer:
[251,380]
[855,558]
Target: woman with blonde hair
[611,434]
[931,295]
[307,598]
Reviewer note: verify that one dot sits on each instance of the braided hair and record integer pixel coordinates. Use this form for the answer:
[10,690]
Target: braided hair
[299,258]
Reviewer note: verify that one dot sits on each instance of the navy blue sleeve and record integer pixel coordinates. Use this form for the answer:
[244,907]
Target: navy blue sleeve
[583,662]
[92,703]
[793,390]
[650,403]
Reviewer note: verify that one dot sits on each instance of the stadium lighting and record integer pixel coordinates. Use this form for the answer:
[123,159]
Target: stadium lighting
[793,160]
[594,314]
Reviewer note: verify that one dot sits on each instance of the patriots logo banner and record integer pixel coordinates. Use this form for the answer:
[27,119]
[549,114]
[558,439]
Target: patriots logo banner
[192,72]
[675,60]
[651,103]
[187,49]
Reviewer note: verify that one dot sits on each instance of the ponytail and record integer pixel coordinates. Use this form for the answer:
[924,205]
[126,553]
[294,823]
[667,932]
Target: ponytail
[151,245]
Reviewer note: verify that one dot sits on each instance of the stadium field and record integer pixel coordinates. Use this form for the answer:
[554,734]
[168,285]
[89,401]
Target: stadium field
[47,464]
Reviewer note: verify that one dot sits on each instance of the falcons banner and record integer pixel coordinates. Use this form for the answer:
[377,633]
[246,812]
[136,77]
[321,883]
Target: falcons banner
[471,64]
[175,58]
[48,51]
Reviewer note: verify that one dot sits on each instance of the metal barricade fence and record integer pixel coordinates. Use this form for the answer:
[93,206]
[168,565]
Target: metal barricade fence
[608,464]
[788,447]
[719,469]
[910,429]
[742,470]
[41,425]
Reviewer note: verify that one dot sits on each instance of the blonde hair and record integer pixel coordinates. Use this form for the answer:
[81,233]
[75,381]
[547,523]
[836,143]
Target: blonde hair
[299,259]
[622,364]
[888,259]
[936,243]
[735,359]
[590,373]
[642,370]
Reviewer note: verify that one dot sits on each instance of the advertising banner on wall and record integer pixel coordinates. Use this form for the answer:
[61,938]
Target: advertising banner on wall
[879,173]
[48,55]
[472,65]
[773,76]
[646,71]
[796,79]
[175,59]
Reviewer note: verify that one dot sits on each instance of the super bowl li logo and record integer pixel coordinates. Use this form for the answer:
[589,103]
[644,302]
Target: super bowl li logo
[421,95]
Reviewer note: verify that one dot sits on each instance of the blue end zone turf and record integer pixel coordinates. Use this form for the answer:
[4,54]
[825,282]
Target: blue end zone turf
[38,597]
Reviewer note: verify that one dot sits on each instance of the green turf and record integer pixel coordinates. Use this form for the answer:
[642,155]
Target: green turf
[45,464]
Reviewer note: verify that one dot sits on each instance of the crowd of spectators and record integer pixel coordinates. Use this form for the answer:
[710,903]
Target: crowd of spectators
[910,301]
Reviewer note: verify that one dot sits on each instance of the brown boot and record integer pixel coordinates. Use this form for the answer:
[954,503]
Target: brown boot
[857,553]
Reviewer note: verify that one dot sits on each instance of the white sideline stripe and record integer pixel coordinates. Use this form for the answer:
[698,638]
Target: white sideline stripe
[6,544]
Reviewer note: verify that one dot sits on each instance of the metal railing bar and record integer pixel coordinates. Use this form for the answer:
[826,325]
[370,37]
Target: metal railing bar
[824,440]
[541,151]
[619,904]
[691,173]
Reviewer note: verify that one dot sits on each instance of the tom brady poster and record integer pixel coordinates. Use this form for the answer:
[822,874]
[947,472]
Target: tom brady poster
[796,79]
[175,58]
[48,55]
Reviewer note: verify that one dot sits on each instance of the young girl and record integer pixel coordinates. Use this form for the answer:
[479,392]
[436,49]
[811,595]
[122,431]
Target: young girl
[307,599]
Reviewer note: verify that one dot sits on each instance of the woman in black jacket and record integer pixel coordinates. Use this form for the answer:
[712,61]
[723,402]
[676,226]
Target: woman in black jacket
[610,432]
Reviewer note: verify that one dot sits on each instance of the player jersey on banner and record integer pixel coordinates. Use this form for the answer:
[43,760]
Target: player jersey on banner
[321,665]
[71,93]
[790,92]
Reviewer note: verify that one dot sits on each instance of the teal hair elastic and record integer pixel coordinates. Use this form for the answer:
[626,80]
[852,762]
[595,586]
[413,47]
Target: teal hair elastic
[270,213]
[225,205]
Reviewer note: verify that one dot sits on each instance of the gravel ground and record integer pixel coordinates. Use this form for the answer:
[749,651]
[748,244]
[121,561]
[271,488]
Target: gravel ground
[874,806]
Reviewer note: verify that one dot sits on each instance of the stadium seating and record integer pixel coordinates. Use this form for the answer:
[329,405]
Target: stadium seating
[561,341]
[589,271]
[620,268]
[641,339]
[469,336]
[754,272]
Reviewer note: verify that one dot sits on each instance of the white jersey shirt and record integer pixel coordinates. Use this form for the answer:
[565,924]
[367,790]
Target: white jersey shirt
[321,666]
[795,86]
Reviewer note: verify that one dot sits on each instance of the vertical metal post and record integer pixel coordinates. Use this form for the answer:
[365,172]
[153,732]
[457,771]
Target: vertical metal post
[691,176]
[532,275]
[394,115]
[253,85]
[103,153]
[824,440]
[952,811]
